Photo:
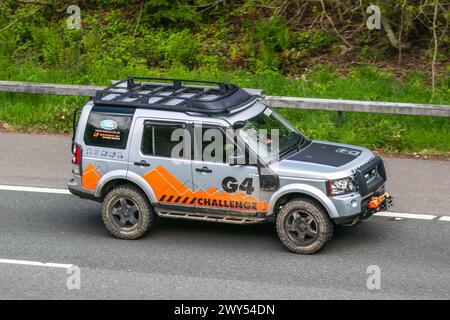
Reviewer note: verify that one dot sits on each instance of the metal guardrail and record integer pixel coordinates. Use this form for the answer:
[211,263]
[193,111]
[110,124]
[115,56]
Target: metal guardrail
[359,106]
[273,101]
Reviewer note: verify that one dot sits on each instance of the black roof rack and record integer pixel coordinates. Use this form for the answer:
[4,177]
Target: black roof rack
[174,95]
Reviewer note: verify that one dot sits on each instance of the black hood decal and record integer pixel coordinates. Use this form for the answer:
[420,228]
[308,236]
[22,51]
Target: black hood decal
[326,154]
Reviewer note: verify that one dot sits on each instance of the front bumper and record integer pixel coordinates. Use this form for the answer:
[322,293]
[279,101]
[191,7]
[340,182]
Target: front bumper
[370,197]
[381,201]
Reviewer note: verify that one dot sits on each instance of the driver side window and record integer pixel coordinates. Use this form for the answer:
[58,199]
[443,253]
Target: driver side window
[214,146]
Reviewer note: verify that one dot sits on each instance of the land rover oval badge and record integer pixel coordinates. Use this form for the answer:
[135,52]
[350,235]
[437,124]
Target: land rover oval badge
[108,125]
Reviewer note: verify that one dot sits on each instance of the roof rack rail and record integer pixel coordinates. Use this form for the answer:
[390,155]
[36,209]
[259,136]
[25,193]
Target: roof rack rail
[208,97]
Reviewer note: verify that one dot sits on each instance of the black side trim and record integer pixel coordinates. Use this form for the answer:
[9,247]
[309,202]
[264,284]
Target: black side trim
[174,207]
[107,109]
[223,212]
[204,210]
[84,195]
[269,182]
[76,115]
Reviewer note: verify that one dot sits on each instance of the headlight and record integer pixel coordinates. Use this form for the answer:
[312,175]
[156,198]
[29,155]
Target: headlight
[341,186]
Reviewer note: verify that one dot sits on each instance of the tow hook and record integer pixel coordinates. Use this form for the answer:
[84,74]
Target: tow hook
[379,203]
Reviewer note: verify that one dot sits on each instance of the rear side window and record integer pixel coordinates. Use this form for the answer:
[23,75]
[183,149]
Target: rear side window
[108,130]
[157,139]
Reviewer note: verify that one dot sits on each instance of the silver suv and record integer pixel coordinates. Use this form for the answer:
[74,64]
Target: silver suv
[211,151]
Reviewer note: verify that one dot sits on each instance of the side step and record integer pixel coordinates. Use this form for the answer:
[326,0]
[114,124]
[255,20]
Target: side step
[212,218]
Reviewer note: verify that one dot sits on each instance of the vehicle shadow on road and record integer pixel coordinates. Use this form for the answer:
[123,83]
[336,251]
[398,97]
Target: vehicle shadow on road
[263,234]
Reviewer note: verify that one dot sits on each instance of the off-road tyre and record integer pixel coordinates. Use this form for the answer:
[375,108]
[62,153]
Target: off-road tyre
[113,220]
[292,225]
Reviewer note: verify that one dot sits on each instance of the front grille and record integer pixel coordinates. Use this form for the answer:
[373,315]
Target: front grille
[370,176]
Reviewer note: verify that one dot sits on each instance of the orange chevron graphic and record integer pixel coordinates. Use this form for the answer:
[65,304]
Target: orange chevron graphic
[90,178]
[169,190]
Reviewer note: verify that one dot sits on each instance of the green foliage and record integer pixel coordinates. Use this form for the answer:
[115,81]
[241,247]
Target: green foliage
[166,11]
[313,41]
[251,34]
[273,32]
[49,45]
[182,48]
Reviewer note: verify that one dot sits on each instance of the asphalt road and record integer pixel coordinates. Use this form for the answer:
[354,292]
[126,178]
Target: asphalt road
[193,260]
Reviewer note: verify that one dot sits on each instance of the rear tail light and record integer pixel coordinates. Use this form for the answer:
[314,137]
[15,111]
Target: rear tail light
[76,155]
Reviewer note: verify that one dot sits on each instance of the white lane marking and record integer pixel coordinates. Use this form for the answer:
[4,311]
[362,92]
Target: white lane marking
[405,215]
[34,189]
[36,263]
[445,218]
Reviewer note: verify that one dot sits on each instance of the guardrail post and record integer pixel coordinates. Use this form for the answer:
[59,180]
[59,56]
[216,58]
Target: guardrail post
[340,118]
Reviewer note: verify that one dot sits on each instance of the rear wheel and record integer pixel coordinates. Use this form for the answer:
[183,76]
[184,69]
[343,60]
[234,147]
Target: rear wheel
[303,226]
[127,213]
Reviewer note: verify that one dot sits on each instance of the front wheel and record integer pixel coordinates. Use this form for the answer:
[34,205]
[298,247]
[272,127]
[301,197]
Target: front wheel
[303,226]
[127,213]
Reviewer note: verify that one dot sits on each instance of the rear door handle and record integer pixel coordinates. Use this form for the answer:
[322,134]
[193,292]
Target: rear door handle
[143,163]
[204,170]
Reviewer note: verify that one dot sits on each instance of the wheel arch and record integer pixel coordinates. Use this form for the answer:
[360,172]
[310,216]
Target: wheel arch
[290,192]
[119,178]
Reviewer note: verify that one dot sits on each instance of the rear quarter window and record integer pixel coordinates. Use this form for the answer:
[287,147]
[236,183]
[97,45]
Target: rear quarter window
[108,130]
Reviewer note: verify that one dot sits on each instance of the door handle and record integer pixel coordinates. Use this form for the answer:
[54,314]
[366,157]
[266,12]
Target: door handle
[143,163]
[204,170]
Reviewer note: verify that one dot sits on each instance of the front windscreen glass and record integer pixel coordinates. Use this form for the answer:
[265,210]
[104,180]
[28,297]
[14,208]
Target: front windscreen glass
[271,136]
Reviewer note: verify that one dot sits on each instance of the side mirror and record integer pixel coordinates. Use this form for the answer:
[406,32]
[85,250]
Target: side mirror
[235,160]
[238,125]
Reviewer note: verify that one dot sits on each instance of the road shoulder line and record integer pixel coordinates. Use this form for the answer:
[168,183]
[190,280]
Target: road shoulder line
[406,215]
[36,263]
[34,189]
